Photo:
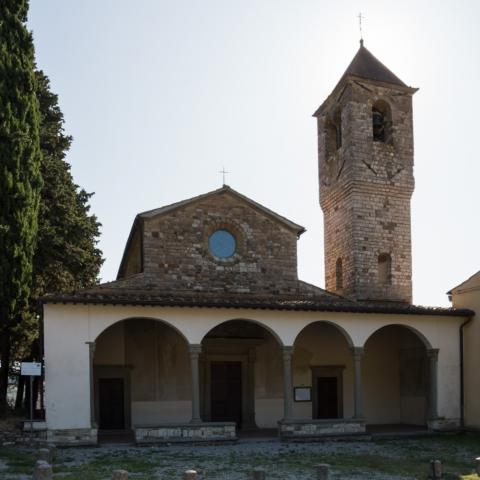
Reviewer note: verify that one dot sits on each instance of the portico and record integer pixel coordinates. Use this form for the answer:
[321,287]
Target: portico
[166,378]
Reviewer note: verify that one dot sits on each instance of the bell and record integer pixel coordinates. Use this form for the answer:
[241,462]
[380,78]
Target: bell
[378,120]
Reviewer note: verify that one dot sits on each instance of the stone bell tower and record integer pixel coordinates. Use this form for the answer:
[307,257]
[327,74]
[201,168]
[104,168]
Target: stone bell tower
[365,152]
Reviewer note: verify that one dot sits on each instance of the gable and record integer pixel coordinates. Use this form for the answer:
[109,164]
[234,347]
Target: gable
[173,245]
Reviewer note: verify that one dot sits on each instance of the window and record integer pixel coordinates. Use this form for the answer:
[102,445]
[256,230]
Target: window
[333,133]
[382,122]
[222,244]
[385,269]
[339,273]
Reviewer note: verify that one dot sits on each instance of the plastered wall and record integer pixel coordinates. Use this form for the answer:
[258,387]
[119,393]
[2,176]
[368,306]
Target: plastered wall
[69,327]
[469,297]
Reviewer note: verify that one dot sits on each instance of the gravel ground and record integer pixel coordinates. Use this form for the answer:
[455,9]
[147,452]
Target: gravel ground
[355,460]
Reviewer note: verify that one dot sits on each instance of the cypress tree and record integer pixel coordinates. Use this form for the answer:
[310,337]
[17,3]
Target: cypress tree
[66,257]
[20,178]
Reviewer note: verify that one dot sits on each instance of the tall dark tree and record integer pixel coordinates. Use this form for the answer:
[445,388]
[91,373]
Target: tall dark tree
[20,179]
[66,257]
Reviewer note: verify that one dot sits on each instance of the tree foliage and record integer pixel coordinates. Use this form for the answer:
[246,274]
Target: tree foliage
[20,179]
[66,257]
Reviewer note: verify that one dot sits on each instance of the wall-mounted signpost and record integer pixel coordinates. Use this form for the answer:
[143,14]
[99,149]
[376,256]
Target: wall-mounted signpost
[31,369]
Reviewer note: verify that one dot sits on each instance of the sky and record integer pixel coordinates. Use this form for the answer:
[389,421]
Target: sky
[160,95]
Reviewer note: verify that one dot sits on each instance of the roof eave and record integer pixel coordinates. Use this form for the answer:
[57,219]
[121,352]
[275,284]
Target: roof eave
[348,77]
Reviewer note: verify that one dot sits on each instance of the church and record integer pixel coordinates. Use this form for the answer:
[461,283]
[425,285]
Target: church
[208,333]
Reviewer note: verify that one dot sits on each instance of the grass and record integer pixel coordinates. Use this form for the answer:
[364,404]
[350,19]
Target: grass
[381,459]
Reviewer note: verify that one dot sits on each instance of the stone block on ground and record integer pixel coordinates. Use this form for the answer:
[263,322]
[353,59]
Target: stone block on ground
[42,471]
[120,475]
[323,471]
[190,475]
[259,474]
[436,469]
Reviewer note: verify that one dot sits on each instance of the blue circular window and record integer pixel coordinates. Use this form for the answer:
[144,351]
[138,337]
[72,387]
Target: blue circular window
[222,243]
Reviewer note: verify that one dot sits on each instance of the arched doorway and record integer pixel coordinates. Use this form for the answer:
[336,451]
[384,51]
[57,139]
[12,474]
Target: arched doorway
[396,378]
[141,376]
[323,373]
[242,375]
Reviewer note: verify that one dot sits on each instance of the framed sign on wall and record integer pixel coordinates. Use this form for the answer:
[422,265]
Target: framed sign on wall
[302,394]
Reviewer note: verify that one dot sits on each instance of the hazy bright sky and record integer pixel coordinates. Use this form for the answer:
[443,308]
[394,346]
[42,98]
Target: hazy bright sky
[160,95]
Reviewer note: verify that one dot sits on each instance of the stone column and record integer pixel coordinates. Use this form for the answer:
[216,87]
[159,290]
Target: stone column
[91,353]
[432,355]
[287,384]
[195,351]
[249,418]
[357,354]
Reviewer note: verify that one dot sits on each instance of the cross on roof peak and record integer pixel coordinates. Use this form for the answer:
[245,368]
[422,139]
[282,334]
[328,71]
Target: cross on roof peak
[223,172]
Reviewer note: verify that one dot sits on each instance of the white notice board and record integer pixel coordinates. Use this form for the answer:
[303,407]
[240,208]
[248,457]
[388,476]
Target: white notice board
[33,369]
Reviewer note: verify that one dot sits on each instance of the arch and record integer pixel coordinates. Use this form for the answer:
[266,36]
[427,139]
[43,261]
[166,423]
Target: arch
[256,322]
[173,327]
[382,122]
[395,375]
[338,327]
[416,332]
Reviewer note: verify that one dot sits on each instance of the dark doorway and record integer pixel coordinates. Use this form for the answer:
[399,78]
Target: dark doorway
[111,403]
[226,392]
[327,397]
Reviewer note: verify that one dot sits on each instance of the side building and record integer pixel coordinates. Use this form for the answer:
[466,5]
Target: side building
[467,295]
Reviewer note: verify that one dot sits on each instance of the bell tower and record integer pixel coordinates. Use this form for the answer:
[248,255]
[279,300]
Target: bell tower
[365,153]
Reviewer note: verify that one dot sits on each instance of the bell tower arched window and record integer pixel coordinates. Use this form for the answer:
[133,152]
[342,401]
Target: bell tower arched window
[382,122]
[333,133]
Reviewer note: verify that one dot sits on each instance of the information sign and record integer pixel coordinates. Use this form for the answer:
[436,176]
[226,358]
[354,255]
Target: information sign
[33,369]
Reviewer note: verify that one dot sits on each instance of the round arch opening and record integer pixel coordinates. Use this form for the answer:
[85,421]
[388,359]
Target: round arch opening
[241,375]
[395,377]
[141,375]
[323,372]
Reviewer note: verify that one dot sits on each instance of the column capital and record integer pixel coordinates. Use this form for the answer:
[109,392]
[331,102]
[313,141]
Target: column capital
[287,351]
[357,351]
[91,346]
[433,353]
[195,349]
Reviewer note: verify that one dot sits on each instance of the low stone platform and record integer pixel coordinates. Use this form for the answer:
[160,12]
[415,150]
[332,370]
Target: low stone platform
[72,436]
[309,429]
[186,432]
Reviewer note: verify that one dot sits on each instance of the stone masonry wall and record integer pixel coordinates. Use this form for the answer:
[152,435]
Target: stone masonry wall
[365,191]
[176,253]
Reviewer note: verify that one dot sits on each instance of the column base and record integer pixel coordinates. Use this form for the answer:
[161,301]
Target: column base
[442,424]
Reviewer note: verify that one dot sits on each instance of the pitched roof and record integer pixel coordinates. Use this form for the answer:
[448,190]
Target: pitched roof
[308,298]
[472,282]
[365,65]
[225,189]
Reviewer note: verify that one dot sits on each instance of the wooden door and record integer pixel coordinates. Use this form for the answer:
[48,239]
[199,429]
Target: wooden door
[327,397]
[226,392]
[111,403]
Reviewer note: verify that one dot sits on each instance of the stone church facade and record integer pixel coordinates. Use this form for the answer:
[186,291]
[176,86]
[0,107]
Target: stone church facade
[208,332]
